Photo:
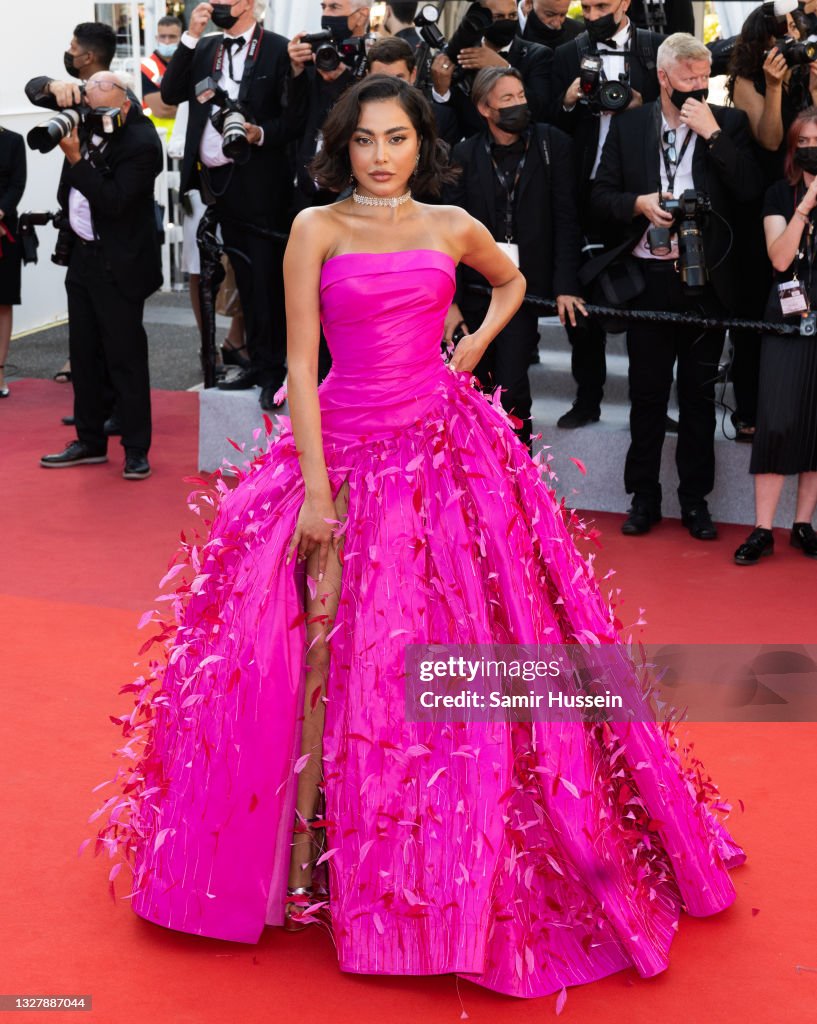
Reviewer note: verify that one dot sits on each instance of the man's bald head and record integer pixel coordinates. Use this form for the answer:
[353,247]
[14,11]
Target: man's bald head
[104,89]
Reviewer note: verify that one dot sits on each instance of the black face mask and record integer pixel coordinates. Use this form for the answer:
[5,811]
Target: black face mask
[678,98]
[500,33]
[70,67]
[513,120]
[602,28]
[222,16]
[806,158]
[539,32]
[337,24]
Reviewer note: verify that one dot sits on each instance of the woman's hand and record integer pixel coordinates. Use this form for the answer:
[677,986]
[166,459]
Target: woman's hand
[775,68]
[468,353]
[566,305]
[314,529]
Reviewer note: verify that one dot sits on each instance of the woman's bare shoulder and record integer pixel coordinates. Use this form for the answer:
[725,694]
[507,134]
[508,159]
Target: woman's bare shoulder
[452,227]
[316,229]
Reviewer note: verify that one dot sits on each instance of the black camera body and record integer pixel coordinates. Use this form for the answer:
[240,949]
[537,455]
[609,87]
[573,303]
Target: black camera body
[612,95]
[795,51]
[329,55]
[689,212]
[229,118]
[29,242]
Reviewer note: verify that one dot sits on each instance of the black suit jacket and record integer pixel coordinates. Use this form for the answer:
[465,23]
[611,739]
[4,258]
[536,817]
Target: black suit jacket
[120,195]
[547,223]
[264,182]
[12,176]
[580,122]
[727,171]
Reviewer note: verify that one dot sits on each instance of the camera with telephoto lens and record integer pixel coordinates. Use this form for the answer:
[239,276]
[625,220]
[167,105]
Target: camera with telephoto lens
[775,21]
[689,213]
[48,135]
[29,242]
[228,118]
[794,51]
[613,94]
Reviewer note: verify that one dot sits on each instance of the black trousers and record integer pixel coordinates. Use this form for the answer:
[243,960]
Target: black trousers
[258,263]
[654,350]
[106,343]
[506,361]
[588,362]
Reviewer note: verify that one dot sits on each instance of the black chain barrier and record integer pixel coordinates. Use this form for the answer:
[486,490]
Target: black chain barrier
[657,316]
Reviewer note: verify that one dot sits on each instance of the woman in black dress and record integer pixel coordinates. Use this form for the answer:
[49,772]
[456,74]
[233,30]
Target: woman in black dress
[785,441]
[12,186]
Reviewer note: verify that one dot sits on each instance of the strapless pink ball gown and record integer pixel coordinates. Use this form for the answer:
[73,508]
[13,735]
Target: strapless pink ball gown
[524,857]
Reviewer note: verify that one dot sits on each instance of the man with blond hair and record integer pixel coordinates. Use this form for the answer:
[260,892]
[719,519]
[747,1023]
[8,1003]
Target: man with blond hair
[679,147]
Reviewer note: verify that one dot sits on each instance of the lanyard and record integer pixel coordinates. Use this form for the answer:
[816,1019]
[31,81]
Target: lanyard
[807,250]
[249,64]
[618,53]
[509,187]
[670,167]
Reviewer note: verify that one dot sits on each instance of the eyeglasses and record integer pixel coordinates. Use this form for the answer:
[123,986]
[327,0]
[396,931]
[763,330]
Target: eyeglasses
[669,142]
[104,86]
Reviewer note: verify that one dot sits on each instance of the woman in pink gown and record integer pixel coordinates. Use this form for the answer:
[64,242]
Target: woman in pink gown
[399,508]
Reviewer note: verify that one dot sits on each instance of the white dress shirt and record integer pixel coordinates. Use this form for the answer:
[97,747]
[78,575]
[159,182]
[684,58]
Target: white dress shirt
[79,209]
[615,64]
[683,181]
[210,152]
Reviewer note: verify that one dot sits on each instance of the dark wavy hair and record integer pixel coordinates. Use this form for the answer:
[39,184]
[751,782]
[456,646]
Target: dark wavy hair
[749,53]
[793,173]
[332,167]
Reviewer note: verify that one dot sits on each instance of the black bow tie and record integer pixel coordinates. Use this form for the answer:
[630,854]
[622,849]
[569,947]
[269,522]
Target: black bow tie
[233,43]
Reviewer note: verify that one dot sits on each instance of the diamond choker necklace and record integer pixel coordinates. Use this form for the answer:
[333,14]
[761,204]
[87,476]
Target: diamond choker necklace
[378,201]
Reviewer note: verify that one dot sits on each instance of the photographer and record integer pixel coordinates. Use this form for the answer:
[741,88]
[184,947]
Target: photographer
[785,442]
[488,36]
[546,22]
[770,82]
[319,77]
[587,101]
[106,193]
[241,167]
[517,179]
[399,23]
[12,186]
[677,147]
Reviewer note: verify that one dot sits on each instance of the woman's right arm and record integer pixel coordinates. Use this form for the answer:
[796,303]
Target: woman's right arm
[764,112]
[783,239]
[302,274]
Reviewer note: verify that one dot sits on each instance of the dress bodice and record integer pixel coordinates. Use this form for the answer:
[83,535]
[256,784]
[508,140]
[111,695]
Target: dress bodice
[383,315]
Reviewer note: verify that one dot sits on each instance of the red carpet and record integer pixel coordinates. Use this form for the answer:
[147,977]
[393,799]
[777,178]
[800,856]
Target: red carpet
[82,554]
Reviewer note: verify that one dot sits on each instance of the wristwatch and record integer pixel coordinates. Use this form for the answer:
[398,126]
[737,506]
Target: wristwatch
[714,136]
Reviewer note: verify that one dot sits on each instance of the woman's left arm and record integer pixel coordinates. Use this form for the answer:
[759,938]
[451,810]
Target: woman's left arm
[479,250]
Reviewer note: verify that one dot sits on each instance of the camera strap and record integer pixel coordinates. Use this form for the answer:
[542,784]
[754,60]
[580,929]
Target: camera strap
[249,64]
[509,186]
[669,166]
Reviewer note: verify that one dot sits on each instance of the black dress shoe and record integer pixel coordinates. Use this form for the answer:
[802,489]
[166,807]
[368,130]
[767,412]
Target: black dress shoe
[698,521]
[578,417]
[112,427]
[242,381]
[76,454]
[760,542]
[267,399]
[69,421]
[642,516]
[804,538]
[137,466]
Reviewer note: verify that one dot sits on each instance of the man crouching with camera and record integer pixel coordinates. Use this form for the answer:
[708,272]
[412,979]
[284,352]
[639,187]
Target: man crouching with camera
[671,172]
[112,157]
